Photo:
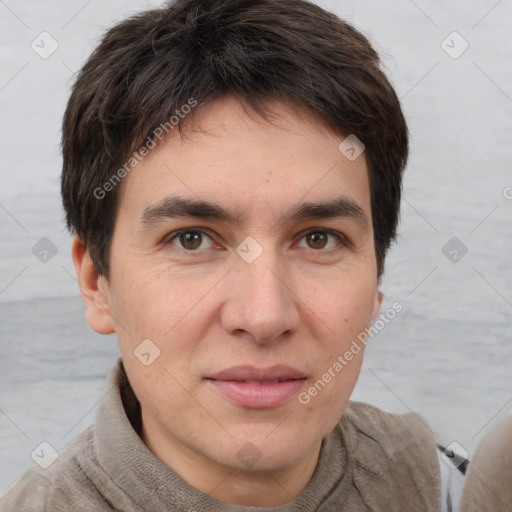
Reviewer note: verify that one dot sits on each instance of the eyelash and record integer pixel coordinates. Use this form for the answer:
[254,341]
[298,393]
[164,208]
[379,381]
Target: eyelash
[344,242]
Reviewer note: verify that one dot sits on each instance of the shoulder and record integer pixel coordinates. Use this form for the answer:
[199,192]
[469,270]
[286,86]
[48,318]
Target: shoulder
[495,449]
[408,439]
[28,494]
[378,435]
[395,461]
[388,428]
[57,486]
[489,473]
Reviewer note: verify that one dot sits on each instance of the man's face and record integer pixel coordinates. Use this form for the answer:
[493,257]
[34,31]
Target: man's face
[297,292]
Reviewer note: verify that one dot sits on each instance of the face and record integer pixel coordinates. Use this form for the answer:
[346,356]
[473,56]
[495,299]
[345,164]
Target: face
[280,290]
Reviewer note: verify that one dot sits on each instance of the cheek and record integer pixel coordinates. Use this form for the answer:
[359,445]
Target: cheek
[149,299]
[344,306]
[328,396]
[346,311]
[166,309]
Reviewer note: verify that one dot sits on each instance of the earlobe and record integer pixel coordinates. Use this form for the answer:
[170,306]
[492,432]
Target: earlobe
[93,288]
[377,304]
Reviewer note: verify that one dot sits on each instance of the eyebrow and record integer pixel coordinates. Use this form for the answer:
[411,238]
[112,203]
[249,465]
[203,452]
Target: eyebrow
[175,206]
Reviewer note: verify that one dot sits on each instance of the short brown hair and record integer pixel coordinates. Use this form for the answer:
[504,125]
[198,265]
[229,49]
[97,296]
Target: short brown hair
[150,65]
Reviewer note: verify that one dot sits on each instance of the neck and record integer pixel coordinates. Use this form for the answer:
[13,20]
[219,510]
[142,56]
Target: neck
[270,488]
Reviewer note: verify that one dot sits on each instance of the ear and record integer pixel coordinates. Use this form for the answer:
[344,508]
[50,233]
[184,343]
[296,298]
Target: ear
[377,304]
[94,290]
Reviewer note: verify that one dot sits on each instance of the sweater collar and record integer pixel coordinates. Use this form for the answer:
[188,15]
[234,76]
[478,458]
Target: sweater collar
[152,485]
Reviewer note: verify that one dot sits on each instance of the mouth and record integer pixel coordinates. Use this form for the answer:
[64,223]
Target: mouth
[254,388]
[265,382]
[271,374]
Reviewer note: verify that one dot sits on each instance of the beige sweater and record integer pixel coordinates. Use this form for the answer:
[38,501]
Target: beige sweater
[372,461]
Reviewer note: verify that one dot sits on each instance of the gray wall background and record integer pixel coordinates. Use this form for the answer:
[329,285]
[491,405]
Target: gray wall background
[447,355]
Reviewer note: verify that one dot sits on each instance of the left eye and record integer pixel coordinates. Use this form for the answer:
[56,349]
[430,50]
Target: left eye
[318,239]
[190,240]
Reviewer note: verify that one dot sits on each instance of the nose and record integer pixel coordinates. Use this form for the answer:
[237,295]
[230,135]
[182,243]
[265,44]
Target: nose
[261,302]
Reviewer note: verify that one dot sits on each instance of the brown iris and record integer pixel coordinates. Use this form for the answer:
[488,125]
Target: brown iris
[318,239]
[191,239]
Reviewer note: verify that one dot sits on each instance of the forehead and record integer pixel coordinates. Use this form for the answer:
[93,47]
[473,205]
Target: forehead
[231,156]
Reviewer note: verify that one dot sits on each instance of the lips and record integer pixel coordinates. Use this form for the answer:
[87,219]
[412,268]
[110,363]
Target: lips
[255,388]
[252,375]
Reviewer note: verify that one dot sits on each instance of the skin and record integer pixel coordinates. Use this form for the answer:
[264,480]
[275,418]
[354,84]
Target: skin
[299,303]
